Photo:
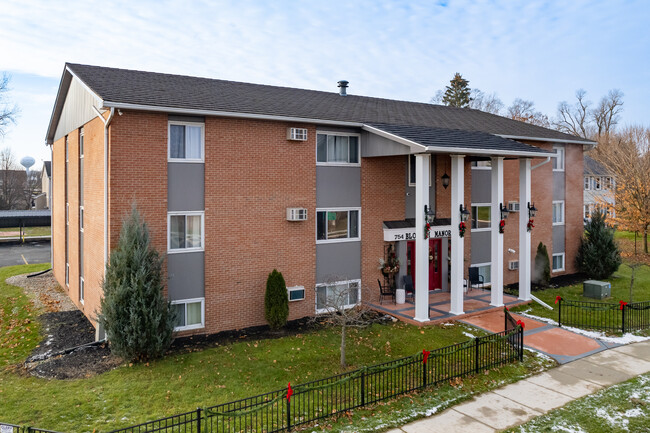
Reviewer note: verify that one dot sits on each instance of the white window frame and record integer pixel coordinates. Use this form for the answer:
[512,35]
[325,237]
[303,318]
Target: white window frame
[408,161]
[67,274]
[598,183]
[587,185]
[560,152]
[169,237]
[338,209]
[191,301]
[296,289]
[563,262]
[559,223]
[81,290]
[482,229]
[336,283]
[340,164]
[81,219]
[481,167]
[169,136]
[482,265]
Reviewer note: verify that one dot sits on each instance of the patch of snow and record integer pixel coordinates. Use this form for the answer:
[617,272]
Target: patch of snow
[568,428]
[616,420]
[448,324]
[467,334]
[633,413]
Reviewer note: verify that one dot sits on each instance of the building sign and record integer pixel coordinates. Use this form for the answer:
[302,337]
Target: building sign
[408,234]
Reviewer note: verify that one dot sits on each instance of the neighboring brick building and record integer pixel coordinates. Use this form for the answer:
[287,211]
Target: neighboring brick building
[237,179]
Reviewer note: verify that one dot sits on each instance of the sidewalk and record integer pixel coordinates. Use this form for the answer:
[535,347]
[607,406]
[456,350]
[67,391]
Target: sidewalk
[520,402]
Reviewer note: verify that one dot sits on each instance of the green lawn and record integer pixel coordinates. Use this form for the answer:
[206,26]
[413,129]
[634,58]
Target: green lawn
[620,292]
[620,408]
[133,394]
[29,231]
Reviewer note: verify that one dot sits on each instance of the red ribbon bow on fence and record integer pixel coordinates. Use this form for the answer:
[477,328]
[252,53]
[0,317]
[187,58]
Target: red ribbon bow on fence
[425,355]
[558,298]
[289,392]
[622,303]
[523,325]
[507,309]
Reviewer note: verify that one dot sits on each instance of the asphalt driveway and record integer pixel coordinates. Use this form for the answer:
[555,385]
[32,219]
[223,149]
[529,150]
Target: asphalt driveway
[28,253]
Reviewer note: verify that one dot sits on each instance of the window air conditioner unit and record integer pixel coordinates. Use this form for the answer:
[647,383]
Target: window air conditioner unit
[296,214]
[513,265]
[297,134]
[513,206]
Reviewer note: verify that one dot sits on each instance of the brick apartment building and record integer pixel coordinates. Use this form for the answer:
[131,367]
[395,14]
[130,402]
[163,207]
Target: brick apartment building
[236,179]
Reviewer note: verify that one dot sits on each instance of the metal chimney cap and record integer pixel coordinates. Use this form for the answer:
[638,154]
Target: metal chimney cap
[343,84]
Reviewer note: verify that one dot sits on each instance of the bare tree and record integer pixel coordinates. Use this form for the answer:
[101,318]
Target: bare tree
[524,111]
[491,103]
[437,98]
[32,188]
[12,181]
[574,119]
[7,112]
[342,306]
[606,114]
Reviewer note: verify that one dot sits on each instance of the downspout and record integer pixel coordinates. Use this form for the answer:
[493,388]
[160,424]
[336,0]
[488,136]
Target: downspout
[107,123]
[547,160]
[50,200]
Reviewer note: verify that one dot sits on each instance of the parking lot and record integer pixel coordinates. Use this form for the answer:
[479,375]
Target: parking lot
[28,253]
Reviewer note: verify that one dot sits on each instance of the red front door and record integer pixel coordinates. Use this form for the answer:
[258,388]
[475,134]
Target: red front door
[435,261]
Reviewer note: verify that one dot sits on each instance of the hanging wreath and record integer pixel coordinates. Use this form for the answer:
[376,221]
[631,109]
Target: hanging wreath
[530,225]
[502,226]
[427,229]
[461,229]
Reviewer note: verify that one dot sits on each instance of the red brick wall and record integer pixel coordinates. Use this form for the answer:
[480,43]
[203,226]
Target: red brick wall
[252,174]
[382,199]
[573,205]
[58,210]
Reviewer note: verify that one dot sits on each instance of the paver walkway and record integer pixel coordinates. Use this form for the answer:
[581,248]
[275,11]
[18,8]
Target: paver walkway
[519,402]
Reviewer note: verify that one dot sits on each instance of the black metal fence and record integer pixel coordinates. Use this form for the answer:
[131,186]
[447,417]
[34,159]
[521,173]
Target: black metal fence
[605,316]
[283,409]
[12,428]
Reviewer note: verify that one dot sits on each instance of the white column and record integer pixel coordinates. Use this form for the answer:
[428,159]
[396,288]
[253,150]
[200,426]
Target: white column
[457,243]
[422,167]
[524,234]
[496,272]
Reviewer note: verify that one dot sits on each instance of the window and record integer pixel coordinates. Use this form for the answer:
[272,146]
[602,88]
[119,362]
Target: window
[344,294]
[482,165]
[337,225]
[587,183]
[558,159]
[81,143]
[558,212]
[185,231]
[337,149]
[484,269]
[296,293]
[67,274]
[186,142]
[81,218]
[81,289]
[587,213]
[189,314]
[558,262]
[412,170]
[481,216]
[596,185]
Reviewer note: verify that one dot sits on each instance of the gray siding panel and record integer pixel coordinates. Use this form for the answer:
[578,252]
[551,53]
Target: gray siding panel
[558,185]
[185,187]
[77,110]
[374,145]
[338,261]
[338,186]
[481,247]
[185,273]
[481,186]
[558,239]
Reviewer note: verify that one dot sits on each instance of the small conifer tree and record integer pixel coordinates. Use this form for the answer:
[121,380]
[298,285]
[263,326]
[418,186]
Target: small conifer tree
[542,274]
[457,94]
[137,318]
[276,301]
[598,255]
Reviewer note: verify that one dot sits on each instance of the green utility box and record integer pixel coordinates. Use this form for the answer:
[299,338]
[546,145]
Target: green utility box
[596,289]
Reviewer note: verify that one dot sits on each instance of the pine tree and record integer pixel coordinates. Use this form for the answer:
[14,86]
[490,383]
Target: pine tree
[457,94]
[542,274]
[276,301]
[138,319]
[598,255]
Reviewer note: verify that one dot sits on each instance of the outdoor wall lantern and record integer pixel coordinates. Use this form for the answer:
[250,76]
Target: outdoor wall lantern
[464,213]
[445,180]
[429,214]
[504,211]
[532,211]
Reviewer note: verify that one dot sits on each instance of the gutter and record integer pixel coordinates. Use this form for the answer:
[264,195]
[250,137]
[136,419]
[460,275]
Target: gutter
[107,123]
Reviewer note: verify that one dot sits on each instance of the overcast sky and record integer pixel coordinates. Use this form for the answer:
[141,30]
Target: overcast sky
[538,50]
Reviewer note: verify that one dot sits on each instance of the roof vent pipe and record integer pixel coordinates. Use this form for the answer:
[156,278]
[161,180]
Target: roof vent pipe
[343,85]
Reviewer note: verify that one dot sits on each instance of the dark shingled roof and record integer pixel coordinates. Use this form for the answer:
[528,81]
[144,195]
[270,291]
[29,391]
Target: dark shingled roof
[591,166]
[121,86]
[454,138]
